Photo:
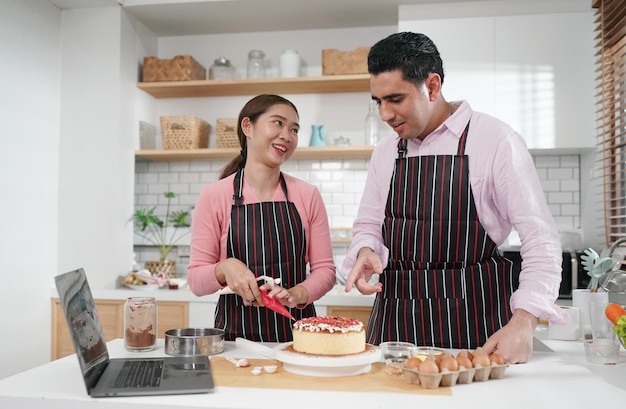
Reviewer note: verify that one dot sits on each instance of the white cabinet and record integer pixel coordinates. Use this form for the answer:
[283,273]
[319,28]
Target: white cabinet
[533,71]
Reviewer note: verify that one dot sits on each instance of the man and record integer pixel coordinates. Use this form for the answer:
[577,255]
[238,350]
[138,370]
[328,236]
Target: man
[442,192]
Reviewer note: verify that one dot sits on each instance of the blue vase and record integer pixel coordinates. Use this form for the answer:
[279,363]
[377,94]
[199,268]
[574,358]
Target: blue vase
[318,135]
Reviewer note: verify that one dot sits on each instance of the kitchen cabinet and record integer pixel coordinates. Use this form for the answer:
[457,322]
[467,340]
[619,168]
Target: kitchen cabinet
[299,85]
[111,313]
[354,312]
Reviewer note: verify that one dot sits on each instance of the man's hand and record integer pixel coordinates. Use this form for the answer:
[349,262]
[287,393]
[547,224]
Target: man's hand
[514,341]
[367,264]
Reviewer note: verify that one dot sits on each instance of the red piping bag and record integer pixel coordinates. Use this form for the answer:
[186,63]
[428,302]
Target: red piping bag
[274,305]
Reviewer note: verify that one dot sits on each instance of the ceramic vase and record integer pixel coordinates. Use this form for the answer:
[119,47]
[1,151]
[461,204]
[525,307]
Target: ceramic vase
[318,135]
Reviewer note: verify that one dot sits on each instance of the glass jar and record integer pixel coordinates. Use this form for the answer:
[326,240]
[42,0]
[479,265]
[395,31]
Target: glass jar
[221,70]
[140,323]
[256,64]
[371,124]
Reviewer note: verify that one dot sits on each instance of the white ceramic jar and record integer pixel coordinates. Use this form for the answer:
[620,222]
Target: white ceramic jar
[289,64]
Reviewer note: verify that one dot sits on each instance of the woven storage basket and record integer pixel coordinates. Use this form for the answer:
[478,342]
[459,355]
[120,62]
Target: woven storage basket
[336,62]
[179,68]
[226,130]
[184,132]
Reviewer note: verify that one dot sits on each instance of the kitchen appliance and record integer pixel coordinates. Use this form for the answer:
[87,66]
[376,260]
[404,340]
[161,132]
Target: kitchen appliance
[573,274]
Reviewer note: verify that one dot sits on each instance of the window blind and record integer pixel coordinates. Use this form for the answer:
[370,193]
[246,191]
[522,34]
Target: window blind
[610,45]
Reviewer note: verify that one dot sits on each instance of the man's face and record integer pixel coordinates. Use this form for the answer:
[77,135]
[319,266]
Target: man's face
[407,108]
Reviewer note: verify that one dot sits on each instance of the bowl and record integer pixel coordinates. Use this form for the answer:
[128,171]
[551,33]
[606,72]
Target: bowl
[194,341]
[424,352]
[395,355]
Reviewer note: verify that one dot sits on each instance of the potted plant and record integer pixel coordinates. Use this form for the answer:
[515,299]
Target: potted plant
[162,233]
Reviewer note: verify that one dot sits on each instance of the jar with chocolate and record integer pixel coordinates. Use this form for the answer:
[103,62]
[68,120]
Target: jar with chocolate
[140,323]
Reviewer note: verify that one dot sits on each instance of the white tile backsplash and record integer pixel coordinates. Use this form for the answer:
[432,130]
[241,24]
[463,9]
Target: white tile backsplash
[341,183]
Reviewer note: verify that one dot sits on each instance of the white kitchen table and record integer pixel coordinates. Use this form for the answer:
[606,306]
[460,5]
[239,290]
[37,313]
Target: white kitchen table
[556,377]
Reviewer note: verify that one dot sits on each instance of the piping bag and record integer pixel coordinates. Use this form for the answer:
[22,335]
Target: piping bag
[269,303]
[274,305]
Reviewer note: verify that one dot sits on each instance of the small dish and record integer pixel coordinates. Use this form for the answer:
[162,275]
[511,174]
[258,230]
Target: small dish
[270,368]
[423,352]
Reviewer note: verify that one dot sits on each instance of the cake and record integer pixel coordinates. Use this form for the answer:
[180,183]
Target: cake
[328,336]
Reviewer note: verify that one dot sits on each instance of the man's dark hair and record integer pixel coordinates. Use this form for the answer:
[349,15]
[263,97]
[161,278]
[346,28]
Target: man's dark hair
[413,53]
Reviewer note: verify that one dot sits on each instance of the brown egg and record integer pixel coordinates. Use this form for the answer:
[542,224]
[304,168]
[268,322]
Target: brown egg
[448,362]
[464,361]
[466,353]
[412,363]
[496,359]
[481,359]
[429,366]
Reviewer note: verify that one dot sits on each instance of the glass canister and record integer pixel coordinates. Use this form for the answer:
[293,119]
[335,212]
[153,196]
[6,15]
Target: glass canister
[221,70]
[140,323]
[290,64]
[256,64]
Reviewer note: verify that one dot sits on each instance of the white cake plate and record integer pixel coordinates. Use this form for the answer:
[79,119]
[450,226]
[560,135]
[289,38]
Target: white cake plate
[325,365]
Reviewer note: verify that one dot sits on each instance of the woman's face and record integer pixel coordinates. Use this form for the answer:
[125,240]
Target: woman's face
[273,138]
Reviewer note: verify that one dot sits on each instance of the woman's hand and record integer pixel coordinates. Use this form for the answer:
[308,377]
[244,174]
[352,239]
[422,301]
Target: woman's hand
[238,277]
[292,297]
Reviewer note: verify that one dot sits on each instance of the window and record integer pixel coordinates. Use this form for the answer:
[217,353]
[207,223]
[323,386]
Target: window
[610,37]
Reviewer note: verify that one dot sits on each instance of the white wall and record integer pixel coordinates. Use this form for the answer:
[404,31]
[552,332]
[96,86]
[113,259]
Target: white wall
[29,146]
[342,114]
[96,160]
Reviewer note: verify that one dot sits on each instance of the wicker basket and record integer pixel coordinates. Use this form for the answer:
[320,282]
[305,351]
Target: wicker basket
[184,132]
[167,267]
[179,68]
[226,130]
[335,62]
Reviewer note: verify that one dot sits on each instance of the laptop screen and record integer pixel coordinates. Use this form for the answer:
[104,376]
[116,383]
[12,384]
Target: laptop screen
[84,324]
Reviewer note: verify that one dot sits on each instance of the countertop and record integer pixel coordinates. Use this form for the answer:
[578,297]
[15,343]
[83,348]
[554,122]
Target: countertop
[335,297]
[556,377]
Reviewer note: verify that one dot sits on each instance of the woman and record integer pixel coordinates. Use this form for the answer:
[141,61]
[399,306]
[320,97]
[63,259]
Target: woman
[257,221]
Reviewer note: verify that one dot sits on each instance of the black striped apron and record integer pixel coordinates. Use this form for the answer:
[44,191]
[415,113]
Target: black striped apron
[445,284]
[269,238]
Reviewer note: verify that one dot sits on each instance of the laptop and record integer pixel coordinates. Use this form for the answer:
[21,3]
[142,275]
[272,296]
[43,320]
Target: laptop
[104,377]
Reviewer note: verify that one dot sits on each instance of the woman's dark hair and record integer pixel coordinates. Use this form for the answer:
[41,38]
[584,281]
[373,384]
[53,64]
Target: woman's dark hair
[413,53]
[253,109]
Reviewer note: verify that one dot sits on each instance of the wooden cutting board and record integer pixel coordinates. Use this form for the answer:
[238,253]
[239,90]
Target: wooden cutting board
[226,374]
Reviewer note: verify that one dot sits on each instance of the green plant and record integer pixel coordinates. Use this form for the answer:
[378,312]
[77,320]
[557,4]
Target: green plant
[155,231]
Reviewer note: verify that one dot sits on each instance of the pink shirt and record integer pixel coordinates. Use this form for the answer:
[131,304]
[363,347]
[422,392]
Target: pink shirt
[211,221]
[507,193]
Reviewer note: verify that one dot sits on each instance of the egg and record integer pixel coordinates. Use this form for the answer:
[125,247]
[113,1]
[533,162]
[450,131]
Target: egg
[429,366]
[448,362]
[412,363]
[481,359]
[464,361]
[496,359]
[466,353]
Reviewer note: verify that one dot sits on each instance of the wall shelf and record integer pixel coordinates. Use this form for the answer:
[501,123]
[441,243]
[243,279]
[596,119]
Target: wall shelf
[325,152]
[299,85]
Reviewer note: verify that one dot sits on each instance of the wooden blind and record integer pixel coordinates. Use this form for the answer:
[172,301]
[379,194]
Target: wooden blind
[610,30]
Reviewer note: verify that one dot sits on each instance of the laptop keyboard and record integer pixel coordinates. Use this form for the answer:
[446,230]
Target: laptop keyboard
[140,374]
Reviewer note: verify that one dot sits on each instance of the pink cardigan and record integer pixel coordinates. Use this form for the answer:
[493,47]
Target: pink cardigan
[210,224]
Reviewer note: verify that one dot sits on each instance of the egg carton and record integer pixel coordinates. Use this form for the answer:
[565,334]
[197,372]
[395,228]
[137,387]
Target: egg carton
[451,378]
